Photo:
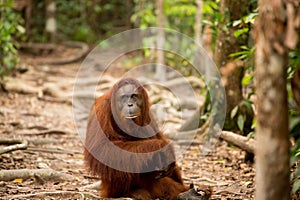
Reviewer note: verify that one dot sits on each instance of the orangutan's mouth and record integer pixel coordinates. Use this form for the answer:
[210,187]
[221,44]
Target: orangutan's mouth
[131,116]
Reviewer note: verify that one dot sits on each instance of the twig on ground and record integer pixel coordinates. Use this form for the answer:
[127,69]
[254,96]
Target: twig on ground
[55,100]
[245,143]
[53,131]
[83,195]
[16,145]
[39,127]
[38,141]
[44,174]
[227,191]
[52,150]
[20,86]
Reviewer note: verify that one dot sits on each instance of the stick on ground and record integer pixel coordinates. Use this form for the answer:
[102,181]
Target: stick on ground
[245,143]
[17,145]
[45,174]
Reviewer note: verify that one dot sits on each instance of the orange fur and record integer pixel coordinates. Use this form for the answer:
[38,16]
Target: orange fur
[100,142]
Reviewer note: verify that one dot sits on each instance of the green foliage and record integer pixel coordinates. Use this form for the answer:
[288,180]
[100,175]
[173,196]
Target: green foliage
[72,22]
[87,21]
[294,127]
[294,62]
[246,53]
[239,114]
[10,27]
[242,28]
[294,122]
[144,14]
[179,14]
[296,186]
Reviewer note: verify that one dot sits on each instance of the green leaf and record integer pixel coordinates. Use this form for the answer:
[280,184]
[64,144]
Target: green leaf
[244,47]
[251,134]
[234,112]
[298,153]
[297,172]
[247,103]
[293,122]
[236,22]
[250,18]
[239,32]
[294,160]
[209,7]
[296,186]
[247,79]
[241,122]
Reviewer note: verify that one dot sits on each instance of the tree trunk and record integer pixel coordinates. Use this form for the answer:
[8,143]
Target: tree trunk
[227,44]
[51,21]
[198,23]
[160,73]
[272,151]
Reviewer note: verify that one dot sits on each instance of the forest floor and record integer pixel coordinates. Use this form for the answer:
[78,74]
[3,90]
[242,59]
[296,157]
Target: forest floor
[47,123]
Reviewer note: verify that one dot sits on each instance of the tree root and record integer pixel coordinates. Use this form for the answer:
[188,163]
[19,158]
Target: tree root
[84,48]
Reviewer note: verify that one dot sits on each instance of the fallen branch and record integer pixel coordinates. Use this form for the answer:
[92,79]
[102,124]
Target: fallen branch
[188,143]
[19,86]
[243,142]
[39,127]
[55,100]
[44,174]
[53,90]
[42,141]
[84,195]
[17,145]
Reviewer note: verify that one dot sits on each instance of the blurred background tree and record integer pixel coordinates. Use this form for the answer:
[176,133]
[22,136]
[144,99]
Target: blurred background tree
[11,29]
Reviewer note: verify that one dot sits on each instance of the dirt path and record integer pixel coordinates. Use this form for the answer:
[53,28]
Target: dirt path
[25,115]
